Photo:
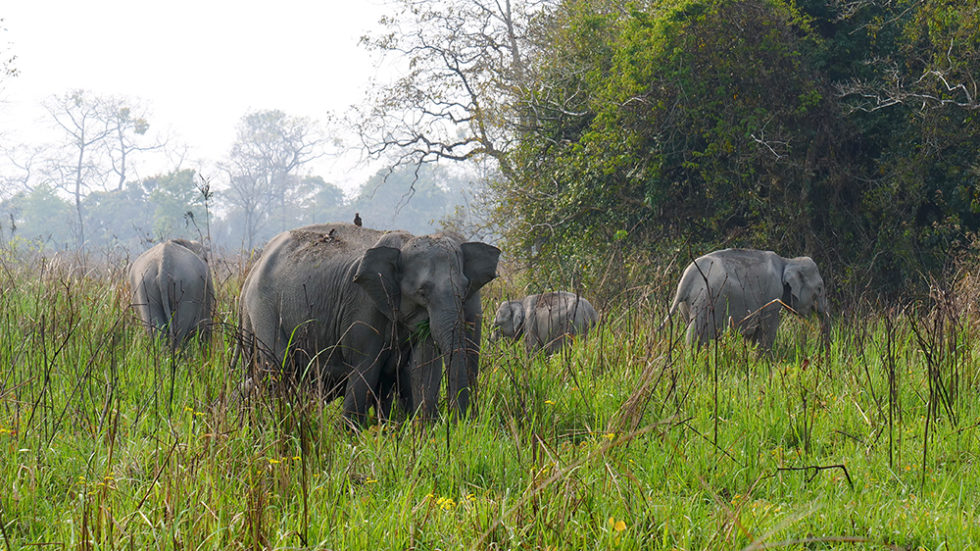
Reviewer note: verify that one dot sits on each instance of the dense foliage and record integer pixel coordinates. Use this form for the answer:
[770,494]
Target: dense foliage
[844,131]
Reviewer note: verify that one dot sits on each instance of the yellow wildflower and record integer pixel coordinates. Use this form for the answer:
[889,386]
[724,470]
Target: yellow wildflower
[617,525]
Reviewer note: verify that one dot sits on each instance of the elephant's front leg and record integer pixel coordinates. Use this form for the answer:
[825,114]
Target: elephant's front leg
[473,319]
[767,329]
[366,355]
[395,384]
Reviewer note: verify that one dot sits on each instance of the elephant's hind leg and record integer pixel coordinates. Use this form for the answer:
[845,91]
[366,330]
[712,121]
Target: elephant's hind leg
[268,343]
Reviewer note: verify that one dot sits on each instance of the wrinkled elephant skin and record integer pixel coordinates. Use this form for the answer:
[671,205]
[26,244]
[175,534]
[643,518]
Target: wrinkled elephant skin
[348,305]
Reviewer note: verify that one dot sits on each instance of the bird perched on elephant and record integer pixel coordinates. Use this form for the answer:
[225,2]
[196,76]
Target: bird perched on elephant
[173,291]
[546,321]
[746,289]
[349,305]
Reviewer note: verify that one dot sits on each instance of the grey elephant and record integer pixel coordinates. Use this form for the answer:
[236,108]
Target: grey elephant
[746,289]
[359,309]
[173,291]
[546,321]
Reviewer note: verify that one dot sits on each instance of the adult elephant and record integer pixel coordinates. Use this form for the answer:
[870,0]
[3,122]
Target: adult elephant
[348,302]
[173,291]
[747,288]
[546,320]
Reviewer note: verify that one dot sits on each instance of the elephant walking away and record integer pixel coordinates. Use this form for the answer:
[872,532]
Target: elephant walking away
[350,305]
[746,288]
[546,321]
[173,291]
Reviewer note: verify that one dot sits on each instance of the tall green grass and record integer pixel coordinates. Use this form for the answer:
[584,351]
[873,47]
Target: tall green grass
[627,440]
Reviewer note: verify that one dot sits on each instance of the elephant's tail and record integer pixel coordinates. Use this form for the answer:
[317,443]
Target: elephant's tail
[680,299]
[241,335]
[167,304]
[670,313]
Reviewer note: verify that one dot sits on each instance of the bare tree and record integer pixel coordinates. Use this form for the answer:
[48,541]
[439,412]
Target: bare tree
[264,168]
[7,59]
[466,63]
[101,135]
[27,162]
[127,120]
[82,119]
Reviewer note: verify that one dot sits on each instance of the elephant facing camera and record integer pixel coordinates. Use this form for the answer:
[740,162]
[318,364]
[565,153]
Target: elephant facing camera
[374,316]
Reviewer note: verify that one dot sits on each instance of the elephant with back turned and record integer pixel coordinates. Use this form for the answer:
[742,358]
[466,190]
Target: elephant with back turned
[173,291]
[351,305]
[747,288]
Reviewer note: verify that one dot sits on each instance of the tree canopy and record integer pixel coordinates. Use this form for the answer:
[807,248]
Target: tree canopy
[844,131]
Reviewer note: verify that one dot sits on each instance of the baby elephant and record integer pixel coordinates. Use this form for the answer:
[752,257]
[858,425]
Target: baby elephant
[546,321]
[173,290]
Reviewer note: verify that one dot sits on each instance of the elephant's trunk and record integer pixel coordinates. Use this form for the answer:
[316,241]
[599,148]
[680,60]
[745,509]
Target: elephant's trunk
[449,332]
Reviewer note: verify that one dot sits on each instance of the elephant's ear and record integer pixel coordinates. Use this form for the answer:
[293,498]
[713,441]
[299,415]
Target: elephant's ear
[379,275]
[793,282]
[479,264]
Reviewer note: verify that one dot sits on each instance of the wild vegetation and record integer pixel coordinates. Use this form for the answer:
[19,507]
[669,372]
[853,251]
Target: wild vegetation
[629,440]
[846,131]
[625,140]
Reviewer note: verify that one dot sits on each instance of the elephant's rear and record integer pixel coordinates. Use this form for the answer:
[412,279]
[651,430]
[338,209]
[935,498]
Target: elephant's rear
[145,293]
[173,291]
[556,316]
[187,291]
[581,313]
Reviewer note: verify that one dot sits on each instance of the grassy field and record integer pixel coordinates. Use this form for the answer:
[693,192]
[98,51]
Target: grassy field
[627,441]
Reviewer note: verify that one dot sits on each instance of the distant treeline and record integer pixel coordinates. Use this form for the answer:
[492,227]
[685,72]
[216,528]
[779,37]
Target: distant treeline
[173,205]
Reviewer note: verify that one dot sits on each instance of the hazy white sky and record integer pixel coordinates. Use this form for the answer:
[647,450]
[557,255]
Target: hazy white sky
[199,65]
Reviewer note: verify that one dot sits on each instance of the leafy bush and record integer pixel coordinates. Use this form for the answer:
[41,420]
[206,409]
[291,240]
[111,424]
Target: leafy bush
[680,127]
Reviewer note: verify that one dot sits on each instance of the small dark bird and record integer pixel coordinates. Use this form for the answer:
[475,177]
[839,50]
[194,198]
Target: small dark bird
[357,219]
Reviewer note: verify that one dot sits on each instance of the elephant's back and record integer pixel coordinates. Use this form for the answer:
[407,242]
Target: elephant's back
[182,264]
[741,260]
[561,307]
[147,265]
[319,247]
[299,266]
[329,239]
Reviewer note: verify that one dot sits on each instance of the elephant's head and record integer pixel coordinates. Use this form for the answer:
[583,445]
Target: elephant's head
[804,290]
[509,320]
[427,279]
